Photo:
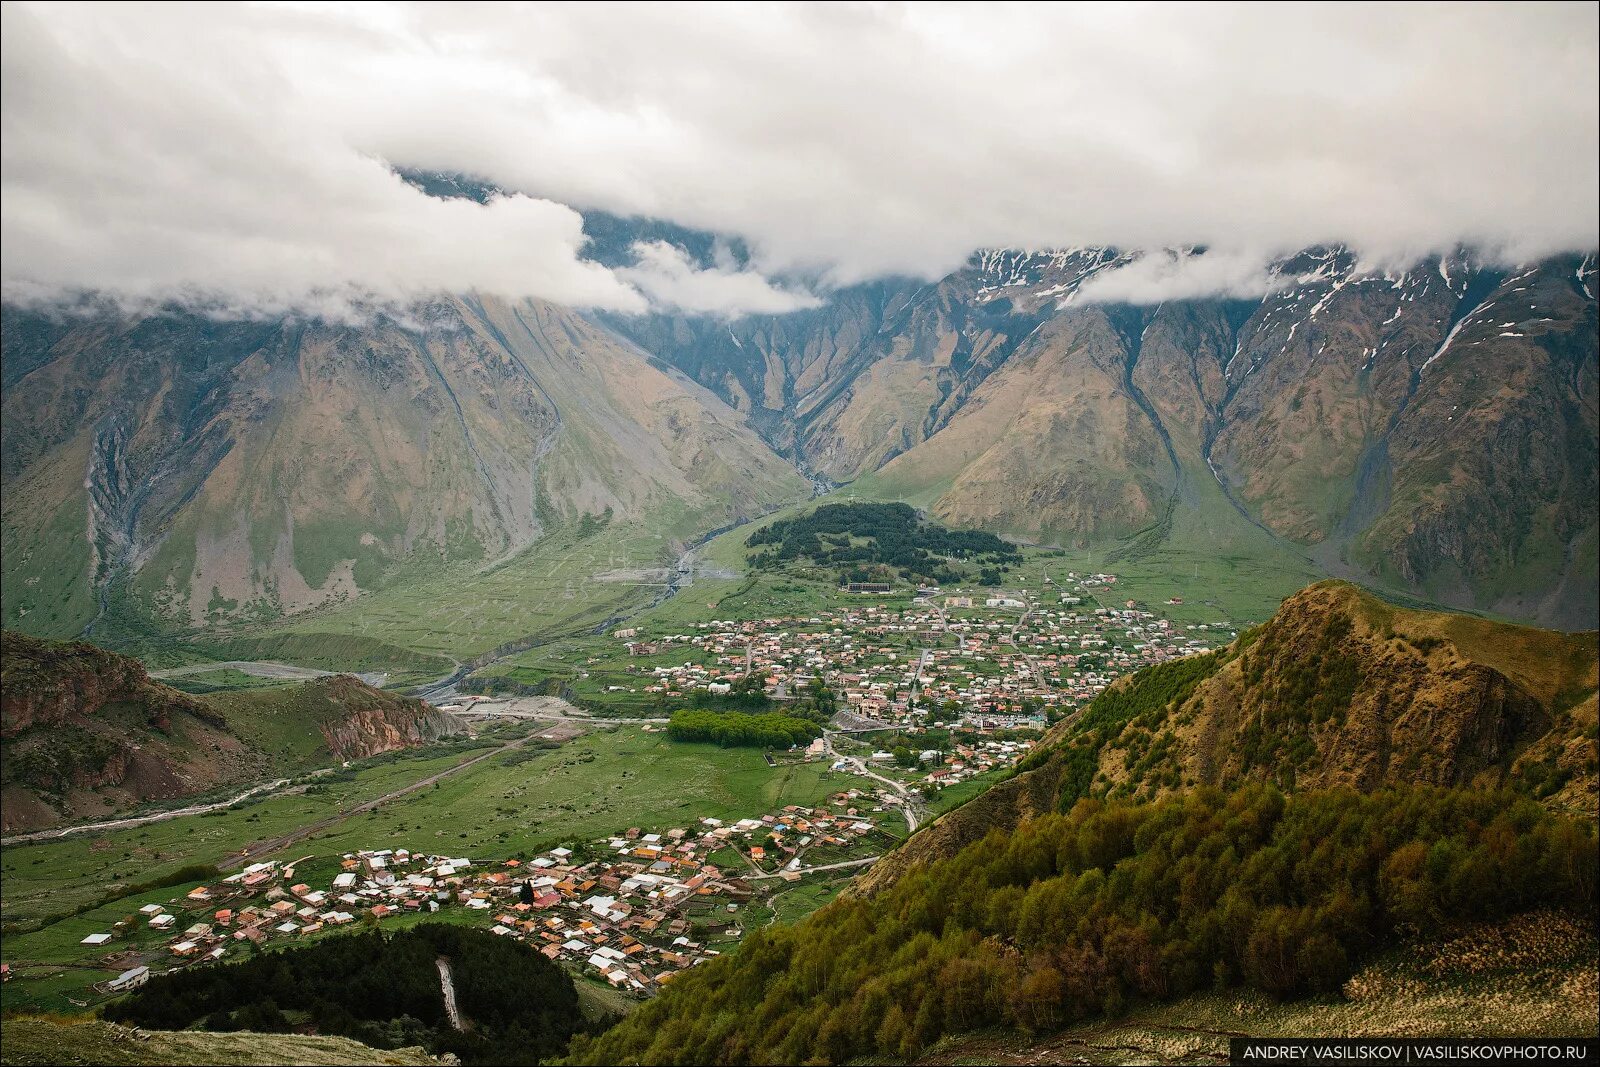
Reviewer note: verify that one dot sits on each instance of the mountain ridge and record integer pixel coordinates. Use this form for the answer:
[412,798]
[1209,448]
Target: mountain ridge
[1316,413]
[228,473]
[86,732]
[1428,431]
[1338,689]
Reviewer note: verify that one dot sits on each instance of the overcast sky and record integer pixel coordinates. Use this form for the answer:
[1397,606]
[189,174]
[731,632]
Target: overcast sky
[240,156]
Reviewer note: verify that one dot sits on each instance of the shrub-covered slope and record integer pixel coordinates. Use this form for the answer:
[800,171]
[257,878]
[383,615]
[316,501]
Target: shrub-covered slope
[1271,816]
[1072,916]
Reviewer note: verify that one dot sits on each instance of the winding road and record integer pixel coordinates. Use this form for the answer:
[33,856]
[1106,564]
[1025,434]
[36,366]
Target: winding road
[841,865]
[859,766]
[140,820]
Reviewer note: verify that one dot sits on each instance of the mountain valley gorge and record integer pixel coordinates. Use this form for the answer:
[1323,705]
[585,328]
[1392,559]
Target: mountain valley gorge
[1429,430]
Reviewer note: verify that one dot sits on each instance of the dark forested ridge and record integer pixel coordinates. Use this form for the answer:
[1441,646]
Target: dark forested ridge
[382,991]
[1075,915]
[871,542]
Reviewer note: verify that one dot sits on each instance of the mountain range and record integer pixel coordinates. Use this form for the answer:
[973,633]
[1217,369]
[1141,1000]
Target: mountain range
[1429,430]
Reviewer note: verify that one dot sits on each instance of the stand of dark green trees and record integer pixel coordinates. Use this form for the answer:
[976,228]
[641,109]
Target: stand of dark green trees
[733,729]
[871,542]
[381,990]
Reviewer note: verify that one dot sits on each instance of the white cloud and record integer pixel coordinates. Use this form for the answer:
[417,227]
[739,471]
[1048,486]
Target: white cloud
[664,273]
[234,151]
[1175,275]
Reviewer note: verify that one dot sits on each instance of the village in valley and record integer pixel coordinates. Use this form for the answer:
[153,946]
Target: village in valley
[632,910]
[995,668]
[924,691]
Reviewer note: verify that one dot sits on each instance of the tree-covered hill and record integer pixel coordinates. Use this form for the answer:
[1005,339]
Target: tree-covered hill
[1270,817]
[383,991]
[870,542]
[1073,916]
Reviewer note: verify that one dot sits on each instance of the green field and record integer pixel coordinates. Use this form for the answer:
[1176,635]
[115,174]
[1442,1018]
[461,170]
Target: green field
[591,787]
[222,680]
[52,877]
[953,796]
[570,582]
[796,901]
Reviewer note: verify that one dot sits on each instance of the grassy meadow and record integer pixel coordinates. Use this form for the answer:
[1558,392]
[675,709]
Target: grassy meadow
[523,802]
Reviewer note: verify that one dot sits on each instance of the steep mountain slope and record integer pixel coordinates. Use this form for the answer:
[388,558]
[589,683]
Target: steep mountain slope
[1427,760]
[1075,917]
[1341,689]
[220,472]
[1431,429]
[1338,689]
[86,733]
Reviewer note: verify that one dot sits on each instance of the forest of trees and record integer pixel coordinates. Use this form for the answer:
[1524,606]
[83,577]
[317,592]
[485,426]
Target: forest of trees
[873,542]
[382,991]
[1074,915]
[734,729]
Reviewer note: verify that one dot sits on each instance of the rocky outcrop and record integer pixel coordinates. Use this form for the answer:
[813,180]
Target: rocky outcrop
[88,734]
[364,721]
[1330,694]
[48,684]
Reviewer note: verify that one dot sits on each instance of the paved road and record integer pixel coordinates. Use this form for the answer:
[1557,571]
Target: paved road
[859,766]
[916,679]
[812,870]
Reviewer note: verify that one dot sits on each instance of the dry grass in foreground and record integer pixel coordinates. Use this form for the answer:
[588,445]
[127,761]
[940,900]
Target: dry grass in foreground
[1535,975]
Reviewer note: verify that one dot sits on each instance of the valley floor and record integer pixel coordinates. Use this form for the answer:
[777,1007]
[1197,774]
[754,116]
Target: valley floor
[519,788]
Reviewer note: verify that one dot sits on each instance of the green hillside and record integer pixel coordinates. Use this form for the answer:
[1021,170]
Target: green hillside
[1075,916]
[1217,822]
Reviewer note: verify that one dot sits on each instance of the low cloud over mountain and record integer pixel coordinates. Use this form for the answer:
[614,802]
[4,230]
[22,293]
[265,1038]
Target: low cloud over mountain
[241,158]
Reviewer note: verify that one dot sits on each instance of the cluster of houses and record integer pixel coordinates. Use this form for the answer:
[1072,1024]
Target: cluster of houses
[1001,666]
[634,910]
[649,905]
[967,761]
[264,903]
[641,907]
